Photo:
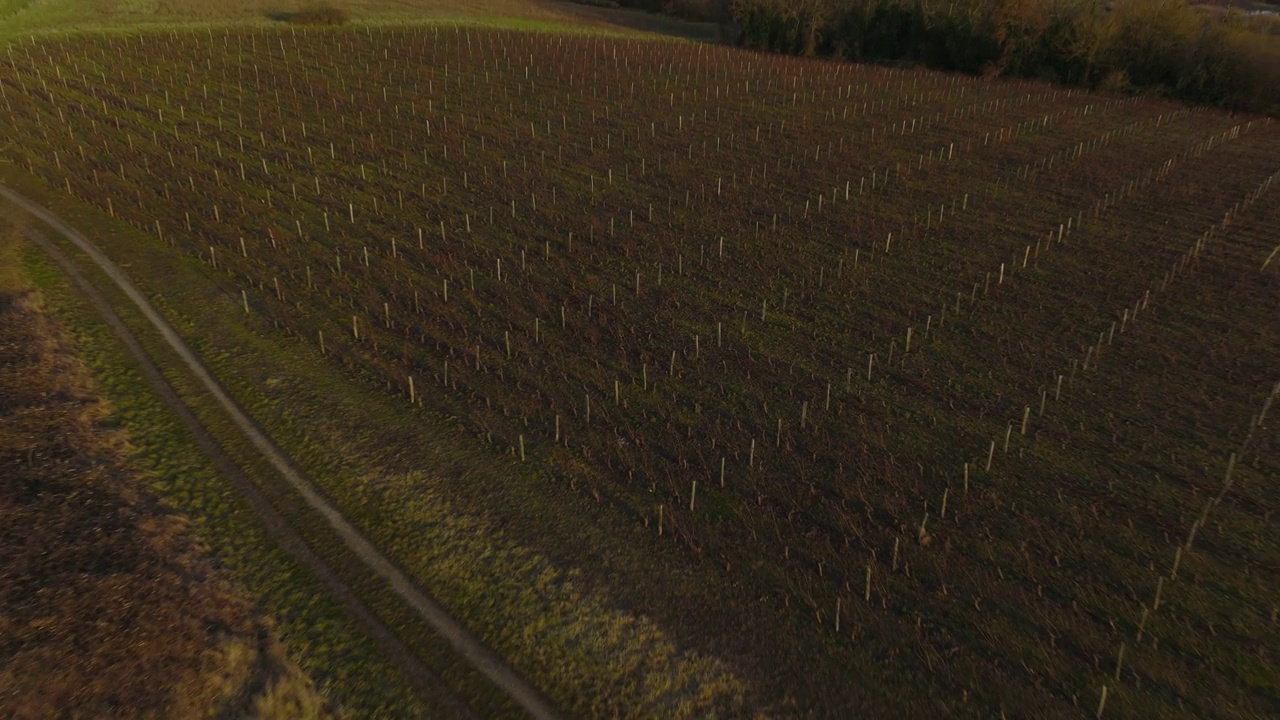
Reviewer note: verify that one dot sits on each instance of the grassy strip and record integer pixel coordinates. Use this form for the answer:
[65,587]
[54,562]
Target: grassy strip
[67,18]
[346,664]
[100,540]
[568,640]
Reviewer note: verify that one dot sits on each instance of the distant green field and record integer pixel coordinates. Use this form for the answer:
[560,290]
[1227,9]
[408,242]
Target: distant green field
[19,17]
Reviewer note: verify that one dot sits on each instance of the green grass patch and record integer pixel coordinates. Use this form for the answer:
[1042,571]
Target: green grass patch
[20,18]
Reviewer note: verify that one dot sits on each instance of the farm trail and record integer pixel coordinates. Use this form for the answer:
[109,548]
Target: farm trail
[790,357]
[466,644]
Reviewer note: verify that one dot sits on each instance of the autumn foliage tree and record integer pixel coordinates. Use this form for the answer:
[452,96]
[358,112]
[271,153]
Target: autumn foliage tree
[1164,45]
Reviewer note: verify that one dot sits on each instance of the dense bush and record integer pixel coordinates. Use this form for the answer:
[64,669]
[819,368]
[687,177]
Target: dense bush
[319,15]
[699,10]
[1226,59]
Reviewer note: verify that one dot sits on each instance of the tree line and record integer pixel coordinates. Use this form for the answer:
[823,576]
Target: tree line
[1204,55]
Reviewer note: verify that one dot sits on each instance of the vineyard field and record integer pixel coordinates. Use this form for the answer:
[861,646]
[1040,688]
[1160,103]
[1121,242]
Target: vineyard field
[899,393]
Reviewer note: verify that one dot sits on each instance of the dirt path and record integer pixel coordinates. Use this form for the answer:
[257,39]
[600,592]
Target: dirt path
[466,644]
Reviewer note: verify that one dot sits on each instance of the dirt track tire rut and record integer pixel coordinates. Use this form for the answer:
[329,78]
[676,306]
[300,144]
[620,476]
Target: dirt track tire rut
[463,642]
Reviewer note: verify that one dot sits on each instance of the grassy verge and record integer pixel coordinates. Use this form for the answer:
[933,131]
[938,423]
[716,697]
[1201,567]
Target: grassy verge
[109,598]
[165,456]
